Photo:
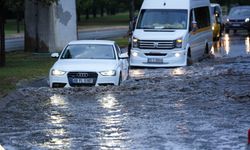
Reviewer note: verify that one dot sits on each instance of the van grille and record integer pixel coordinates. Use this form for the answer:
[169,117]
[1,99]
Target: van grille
[156,44]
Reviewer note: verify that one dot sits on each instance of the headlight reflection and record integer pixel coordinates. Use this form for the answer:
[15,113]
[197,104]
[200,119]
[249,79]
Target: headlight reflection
[227,43]
[112,136]
[247,42]
[56,118]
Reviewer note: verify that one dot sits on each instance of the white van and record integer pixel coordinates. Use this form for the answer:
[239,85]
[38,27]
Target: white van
[170,33]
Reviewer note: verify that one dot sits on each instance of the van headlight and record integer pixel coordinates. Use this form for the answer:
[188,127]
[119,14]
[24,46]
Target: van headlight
[135,42]
[178,43]
[247,20]
[56,72]
[108,73]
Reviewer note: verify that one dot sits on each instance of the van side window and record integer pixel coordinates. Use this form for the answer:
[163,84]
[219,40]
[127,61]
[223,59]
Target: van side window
[202,17]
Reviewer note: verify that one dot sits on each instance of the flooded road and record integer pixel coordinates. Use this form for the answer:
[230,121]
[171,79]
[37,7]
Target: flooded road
[203,106]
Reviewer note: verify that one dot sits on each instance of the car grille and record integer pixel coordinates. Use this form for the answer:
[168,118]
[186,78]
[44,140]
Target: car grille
[77,79]
[156,44]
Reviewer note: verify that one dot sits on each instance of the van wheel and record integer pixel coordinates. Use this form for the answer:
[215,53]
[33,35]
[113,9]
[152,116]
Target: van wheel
[120,79]
[189,59]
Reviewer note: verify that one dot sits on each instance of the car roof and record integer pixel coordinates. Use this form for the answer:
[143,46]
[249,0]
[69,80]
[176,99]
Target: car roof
[106,42]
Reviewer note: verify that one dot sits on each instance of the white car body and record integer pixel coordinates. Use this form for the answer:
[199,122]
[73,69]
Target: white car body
[156,33]
[89,72]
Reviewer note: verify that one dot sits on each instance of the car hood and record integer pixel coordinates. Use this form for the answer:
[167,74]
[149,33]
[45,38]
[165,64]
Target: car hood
[85,65]
[238,17]
[159,34]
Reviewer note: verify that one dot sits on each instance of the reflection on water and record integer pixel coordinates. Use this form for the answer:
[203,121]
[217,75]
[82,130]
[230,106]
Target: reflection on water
[137,73]
[57,119]
[232,46]
[227,43]
[112,136]
[178,72]
[182,126]
[247,42]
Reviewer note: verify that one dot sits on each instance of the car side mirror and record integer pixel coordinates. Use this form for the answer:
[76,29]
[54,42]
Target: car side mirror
[55,55]
[194,26]
[123,56]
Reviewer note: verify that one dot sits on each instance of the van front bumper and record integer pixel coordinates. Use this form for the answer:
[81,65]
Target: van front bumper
[158,58]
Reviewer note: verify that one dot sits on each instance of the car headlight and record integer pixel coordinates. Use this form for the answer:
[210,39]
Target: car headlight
[135,42]
[108,73]
[178,43]
[228,20]
[247,20]
[56,72]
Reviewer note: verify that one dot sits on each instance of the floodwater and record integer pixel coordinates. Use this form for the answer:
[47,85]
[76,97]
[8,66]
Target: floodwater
[203,106]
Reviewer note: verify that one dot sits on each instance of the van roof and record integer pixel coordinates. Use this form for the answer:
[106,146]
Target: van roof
[174,4]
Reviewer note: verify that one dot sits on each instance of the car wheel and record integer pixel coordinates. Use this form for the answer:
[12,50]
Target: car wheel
[189,59]
[120,79]
[235,31]
[227,31]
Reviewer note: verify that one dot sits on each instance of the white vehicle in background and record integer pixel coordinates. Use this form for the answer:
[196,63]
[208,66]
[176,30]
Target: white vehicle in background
[89,63]
[171,33]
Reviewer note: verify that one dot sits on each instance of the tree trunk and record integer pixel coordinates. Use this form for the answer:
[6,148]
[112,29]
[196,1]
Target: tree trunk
[36,25]
[18,19]
[102,11]
[87,14]
[2,40]
[94,9]
[132,10]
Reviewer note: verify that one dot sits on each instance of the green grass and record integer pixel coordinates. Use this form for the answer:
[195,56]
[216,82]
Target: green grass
[122,42]
[20,66]
[11,27]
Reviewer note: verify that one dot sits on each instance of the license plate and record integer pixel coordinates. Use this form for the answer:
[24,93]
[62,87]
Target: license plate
[236,25]
[84,80]
[155,60]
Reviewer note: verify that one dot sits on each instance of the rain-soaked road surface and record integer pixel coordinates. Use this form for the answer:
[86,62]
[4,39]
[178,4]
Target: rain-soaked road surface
[204,106]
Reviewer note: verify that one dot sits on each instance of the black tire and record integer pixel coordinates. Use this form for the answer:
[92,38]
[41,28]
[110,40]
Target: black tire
[227,31]
[120,79]
[235,31]
[189,59]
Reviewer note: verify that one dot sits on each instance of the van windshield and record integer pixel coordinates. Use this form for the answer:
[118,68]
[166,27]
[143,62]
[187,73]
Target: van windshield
[162,19]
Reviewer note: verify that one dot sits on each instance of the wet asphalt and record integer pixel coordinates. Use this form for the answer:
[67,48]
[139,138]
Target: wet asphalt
[204,106]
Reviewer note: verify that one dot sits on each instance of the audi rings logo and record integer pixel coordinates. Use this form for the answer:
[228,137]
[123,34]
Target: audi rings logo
[82,75]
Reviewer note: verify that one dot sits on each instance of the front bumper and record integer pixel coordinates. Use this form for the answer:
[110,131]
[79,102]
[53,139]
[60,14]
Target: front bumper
[158,58]
[63,81]
[237,25]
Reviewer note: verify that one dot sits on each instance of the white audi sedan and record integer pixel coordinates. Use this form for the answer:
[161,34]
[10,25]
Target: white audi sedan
[89,63]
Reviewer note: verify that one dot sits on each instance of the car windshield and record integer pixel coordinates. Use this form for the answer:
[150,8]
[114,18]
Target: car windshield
[162,19]
[88,51]
[240,12]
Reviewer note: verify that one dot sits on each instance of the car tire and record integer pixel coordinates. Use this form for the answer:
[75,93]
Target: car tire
[120,79]
[227,31]
[189,59]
